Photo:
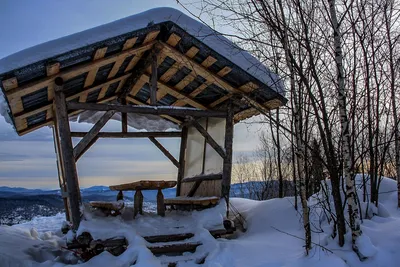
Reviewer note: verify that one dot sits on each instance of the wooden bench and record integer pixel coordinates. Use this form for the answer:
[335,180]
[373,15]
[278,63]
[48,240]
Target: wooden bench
[191,203]
[145,185]
[108,208]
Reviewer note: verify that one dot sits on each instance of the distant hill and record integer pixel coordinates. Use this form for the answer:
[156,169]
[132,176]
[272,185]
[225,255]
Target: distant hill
[21,204]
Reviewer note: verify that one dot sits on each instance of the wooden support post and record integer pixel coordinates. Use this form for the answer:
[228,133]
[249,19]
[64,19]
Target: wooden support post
[160,203]
[60,171]
[209,138]
[164,151]
[182,156]
[68,160]
[91,136]
[153,82]
[137,203]
[227,167]
[124,117]
[120,195]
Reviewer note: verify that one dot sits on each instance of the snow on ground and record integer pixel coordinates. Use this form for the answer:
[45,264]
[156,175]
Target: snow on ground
[274,237]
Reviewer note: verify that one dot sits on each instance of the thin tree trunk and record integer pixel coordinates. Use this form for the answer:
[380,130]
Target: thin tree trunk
[299,141]
[347,162]
[389,8]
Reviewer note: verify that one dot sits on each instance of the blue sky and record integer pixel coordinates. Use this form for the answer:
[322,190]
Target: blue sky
[29,161]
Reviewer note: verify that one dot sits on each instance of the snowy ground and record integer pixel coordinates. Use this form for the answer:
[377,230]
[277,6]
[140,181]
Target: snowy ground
[274,237]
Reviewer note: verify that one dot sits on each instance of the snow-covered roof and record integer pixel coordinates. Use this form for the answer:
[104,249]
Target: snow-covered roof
[203,33]
[197,68]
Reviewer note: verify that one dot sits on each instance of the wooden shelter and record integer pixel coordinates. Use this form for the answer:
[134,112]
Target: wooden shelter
[159,64]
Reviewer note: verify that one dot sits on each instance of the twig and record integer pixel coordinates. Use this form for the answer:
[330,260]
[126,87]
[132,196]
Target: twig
[318,245]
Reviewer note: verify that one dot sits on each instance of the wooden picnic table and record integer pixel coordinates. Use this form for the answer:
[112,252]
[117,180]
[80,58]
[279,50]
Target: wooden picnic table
[145,185]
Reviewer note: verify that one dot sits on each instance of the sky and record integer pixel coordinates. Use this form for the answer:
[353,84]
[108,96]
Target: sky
[29,161]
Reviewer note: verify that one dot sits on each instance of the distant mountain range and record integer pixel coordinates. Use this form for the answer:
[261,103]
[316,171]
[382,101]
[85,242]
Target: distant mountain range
[19,204]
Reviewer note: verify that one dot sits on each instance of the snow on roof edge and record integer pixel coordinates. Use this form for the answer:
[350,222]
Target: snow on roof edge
[203,33]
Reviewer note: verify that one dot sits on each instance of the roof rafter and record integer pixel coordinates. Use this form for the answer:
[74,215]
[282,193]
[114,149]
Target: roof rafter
[17,92]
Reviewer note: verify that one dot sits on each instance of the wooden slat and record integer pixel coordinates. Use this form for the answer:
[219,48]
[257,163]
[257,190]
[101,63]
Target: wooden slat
[224,71]
[51,69]
[133,62]
[129,43]
[203,177]
[175,92]
[170,72]
[173,70]
[103,91]
[248,87]
[173,39]
[273,104]
[192,52]
[138,85]
[120,85]
[9,84]
[133,80]
[245,114]
[50,121]
[88,90]
[20,123]
[203,86]
[208,61]
[151,36]
[83,97]
[198,69]
[115,68]
[220,100]
[100,53]
[75,71]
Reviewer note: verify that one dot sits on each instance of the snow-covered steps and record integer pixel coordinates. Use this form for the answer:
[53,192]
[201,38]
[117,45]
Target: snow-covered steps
[174,249]
[188,260]
[168,238]
[216,233]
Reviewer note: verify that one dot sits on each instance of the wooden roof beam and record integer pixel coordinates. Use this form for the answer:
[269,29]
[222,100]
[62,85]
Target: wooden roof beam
[198,69]
[49,121]
[131,86]
[75,71]
[155,110]
[175,92]
[137,102]
[22,115]
[191,53]
[202,87]
[131,134]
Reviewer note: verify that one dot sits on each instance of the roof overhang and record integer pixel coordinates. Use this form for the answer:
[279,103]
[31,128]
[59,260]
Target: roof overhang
[190,73]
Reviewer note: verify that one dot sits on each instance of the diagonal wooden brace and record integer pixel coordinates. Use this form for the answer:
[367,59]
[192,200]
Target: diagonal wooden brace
[91,136]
